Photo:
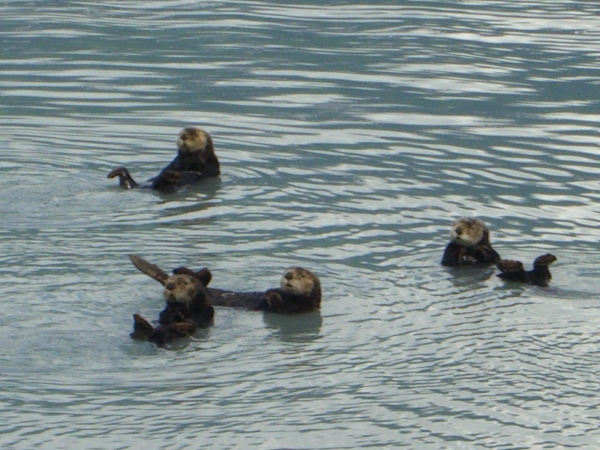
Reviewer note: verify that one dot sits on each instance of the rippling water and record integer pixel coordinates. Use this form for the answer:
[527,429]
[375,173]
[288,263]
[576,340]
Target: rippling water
[350,137]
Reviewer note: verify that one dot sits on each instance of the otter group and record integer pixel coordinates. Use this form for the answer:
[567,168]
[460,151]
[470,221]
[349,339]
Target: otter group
[470,244]
[190,301]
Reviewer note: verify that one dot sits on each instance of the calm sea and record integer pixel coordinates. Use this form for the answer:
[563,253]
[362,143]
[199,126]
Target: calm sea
[350,136]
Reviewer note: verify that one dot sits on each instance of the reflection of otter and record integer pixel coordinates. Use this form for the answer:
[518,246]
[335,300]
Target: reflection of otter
[298,328]
[187,308]
[299,291]
[540,275]
[195,161]
[469,244]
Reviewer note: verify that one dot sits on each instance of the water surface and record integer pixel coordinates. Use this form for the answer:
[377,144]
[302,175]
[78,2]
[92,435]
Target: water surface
[350,137]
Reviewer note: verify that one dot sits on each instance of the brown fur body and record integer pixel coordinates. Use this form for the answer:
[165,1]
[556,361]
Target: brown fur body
[195,161]
[469,244]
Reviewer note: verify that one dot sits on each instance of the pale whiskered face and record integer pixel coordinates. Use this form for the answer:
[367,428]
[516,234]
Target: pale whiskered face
[298,281]
[468,231]
[182,288]
[191,141]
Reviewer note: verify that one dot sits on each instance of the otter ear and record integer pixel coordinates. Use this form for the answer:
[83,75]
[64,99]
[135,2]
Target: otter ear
[204,276]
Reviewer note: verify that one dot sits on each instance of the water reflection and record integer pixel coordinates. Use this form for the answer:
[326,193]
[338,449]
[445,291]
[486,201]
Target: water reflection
[295,328]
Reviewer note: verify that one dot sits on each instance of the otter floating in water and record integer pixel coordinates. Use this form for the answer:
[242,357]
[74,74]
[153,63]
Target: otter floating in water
[187,308]
[299,291]
[539,276]
[195,161]
[469,244]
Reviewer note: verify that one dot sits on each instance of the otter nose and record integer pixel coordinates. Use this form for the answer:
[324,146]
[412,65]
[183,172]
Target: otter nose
[170,286]
[459,230]
[288,276]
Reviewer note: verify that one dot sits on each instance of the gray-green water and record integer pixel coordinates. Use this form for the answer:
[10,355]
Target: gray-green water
[350,136]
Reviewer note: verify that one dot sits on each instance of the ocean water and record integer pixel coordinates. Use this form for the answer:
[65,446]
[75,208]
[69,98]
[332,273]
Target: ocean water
[350,136]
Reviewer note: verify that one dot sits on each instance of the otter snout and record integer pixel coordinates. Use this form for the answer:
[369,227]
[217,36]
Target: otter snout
[170,286]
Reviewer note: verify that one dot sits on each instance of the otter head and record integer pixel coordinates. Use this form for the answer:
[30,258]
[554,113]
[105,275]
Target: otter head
[299,281]
[182,289]
[193,142]
[468,231]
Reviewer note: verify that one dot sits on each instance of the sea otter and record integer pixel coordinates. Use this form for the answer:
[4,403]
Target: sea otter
[299,291]
[539,276]
[187,308]
[469,244]
[195,161]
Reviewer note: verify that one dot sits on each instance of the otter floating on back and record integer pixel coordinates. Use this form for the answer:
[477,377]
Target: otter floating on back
[469,244]
[539,276]
[299,291]
[195,161]
[187,308]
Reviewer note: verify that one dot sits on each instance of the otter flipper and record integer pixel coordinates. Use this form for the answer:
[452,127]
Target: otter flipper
[512,270]
[163,334]
[152,270]
[141,328]
[539,276]
[125,179]
[544,260]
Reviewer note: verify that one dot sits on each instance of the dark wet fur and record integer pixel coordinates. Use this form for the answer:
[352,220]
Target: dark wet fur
[162,334]
[273,300]
[539,276]
[481,253]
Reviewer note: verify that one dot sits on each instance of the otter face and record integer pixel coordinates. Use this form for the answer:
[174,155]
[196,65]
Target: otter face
[192,141]
[468,231]
[298,281]
[182,288]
